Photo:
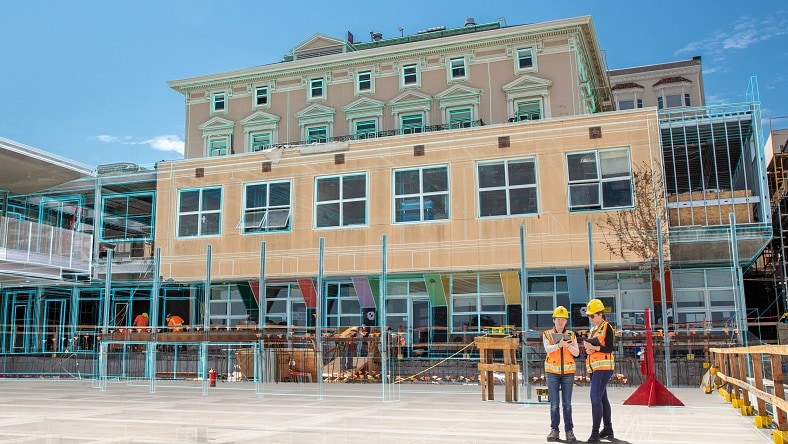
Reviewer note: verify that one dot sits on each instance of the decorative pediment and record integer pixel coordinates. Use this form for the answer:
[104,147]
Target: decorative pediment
[216,126]
[410,101]
[365,107]
[259,121]
[319,45]
[315,113]
[626,85]
[527,85]
[459,95]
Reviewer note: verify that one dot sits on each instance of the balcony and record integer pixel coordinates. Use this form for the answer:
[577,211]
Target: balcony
[30,248]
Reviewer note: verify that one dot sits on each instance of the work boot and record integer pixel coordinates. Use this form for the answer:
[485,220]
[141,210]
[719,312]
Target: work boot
[594,437]
[570,436]
[553,436]
[607,432]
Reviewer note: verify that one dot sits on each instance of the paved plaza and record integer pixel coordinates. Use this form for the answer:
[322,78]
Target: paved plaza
[74,411]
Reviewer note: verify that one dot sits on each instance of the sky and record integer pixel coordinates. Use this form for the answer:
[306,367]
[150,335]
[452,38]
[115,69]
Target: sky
[87,79]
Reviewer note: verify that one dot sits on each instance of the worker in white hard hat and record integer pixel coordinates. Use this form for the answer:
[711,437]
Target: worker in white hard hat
[561,348]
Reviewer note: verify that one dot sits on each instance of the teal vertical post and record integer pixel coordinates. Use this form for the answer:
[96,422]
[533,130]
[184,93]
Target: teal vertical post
[104,349]
[206,321]
[664,300]
[153,341]
[524,313]
[262,313]
[320,306]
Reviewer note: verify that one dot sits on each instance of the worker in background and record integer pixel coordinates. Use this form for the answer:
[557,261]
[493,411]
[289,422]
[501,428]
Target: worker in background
[561,349]
[600,365]
[174,322]
[141,321]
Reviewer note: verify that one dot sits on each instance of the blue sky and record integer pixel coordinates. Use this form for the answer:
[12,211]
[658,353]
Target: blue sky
[87,79]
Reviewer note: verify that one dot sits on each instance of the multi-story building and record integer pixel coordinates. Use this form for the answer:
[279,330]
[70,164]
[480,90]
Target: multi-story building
[449,181]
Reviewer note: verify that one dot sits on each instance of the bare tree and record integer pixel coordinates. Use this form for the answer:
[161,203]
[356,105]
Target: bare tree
[632,232]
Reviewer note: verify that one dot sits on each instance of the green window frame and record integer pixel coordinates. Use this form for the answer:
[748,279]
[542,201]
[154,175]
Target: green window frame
[421,194]
[261,96]
[218,147]
[317,134]
[316,88]
[259,141]
[544,293]
[267,207]
[341,201]
[477,302]
[460,118]
[218,102]
[342,307]
[507,187]
[525,58]
[457,67]
[364,81]
[412,123]
[410,74]
[599,180]
[365,128]
[200,212]
[529,110]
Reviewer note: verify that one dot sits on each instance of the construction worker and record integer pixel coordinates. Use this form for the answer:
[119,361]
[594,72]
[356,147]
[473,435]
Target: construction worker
[174,322]
[141,321]
[600,365]
[561,348]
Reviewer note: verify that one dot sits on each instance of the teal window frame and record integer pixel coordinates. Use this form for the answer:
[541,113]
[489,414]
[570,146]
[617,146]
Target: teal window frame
[529,110]
[412,123]
[421,194]
[267,207]
[259,141]
[317,88]
[364,129]
[599,179]
[219,102]
[199,212]
[460,117]
[215,146]
[525,59]
[410,74]
[317,134]
[477,302]
[341,201]
[457,68]
[364,81]
[507,187]
[131,216]
[261,96]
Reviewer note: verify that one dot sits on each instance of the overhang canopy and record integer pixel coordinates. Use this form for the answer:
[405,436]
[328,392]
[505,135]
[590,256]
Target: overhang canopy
[25,170]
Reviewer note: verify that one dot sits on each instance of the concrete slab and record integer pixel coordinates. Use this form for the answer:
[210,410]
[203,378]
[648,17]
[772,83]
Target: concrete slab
[60,412]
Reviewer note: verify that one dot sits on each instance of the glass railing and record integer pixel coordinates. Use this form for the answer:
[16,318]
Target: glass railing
[44,245]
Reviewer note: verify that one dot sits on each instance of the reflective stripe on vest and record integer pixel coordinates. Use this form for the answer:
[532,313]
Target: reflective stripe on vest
[553,362]
[600,360]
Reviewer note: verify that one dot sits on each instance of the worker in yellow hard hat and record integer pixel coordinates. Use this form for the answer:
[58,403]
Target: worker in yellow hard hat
[141,321]
[561,348]
[600,364]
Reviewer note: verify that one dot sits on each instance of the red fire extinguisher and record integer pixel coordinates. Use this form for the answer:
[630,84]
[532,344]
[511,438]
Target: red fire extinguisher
[212,377]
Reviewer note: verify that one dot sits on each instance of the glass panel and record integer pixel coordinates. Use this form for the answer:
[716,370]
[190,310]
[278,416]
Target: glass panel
[328,189]
[523,201]
[540,303]
[688,279]
[256,196]
[721,298]
[463,304]
[689,298]
[492,203]
[210,223]
[397,305]
[525,58]
[629,282]
[435,179]
[530,110]
[492,175]
[583,195]
[561,283]
[280,194]
[582,166]
[327,215]
[188,225]
[211,199]
[354,213]
[436,207]
[673,100]
[719,278]
[408,209]
[617,193]
[490,284]
[354,187]
[626,104]
[636,300]
[546,283]
[493,303]
[463,285]
[397,288]
[614,163]
[522,173]
[407,182]
[190,201]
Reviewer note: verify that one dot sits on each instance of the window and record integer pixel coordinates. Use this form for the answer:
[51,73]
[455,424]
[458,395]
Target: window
[266,207]
[528,110]
[366,128]
[457,68]
[342,306]
[316,88]
[127,217]
[687,101]
[260,141]
[218,103]
[460,118]
[364,81]
[421,194]
[412,123]
[525,59]
[599,179]
[545,293]
[227,305]
[703,298]
[341,201]
[674,101]
[507,188]
[630,104]
[410,75]
[477,302]
[199,212]
[317,134]
[218,147]
[261,96]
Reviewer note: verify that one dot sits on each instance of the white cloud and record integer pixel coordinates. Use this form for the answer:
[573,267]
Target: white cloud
[168,142]
[746,31]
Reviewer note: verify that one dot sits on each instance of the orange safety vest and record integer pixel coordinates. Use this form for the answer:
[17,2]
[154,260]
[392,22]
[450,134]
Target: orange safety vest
[600,360]
[560,361]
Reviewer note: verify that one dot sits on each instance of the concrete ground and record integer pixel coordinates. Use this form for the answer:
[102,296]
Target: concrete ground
[73,411]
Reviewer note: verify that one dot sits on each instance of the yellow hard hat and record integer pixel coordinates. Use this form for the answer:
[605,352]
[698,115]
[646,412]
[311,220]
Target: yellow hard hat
[594,306]
[145,314]
[561,312]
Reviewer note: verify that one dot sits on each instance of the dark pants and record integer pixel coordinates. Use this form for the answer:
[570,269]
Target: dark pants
[563,384]
[600,406]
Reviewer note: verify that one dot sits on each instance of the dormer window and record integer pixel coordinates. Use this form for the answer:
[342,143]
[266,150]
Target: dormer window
[364,81]
[457,67]
[410,75]
[261,96]
[524,60]
[218,103]
[316,88]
